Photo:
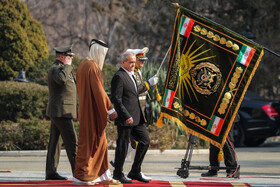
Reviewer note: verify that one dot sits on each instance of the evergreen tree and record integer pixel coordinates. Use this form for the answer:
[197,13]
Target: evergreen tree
[22,39]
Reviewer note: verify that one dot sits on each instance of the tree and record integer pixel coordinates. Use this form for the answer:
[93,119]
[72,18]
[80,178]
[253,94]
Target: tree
[22,40]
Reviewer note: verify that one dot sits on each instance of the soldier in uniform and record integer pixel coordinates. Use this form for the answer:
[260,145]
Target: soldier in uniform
[230,159]
[143,87]
[62,108]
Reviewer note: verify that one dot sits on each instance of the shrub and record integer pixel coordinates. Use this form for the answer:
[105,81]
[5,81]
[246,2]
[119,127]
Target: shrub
[26,134]
[9,136]
[35,134]
[108,72]
[22,100]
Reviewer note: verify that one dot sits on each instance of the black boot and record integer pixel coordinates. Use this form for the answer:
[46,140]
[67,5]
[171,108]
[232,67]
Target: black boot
[231,174]
[210,173]
[112,163]
[55,176]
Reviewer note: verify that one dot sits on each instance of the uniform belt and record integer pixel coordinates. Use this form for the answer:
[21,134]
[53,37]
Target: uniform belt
[142,98]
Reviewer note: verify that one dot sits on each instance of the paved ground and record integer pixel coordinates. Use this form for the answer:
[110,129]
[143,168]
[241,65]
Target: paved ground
[259,166]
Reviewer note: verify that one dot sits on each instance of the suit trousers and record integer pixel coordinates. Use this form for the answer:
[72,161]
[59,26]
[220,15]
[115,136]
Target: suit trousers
[140,134]
[61,127]
[228,150]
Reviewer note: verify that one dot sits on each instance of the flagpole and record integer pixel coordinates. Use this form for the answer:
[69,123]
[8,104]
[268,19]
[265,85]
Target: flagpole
[176,5]
[163,60]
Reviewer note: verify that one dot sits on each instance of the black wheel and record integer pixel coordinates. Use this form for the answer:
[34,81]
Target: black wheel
[179,172]
[183,173]
[238,134]
[254,142]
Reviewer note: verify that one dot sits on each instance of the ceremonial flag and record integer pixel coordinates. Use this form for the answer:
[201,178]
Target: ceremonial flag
[209,71]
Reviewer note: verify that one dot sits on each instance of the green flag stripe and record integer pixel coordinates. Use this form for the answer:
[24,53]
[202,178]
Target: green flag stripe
[182,23]
[211,122]
[241,53]
[165,96]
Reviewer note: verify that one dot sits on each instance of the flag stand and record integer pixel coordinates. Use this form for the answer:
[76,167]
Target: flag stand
[183,172]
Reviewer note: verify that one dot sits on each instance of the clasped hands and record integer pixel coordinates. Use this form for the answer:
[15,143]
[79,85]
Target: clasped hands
[114,115]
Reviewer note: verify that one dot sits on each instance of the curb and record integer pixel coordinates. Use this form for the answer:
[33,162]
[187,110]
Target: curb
[110,152]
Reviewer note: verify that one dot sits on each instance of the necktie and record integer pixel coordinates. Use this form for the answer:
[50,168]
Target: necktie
[134,82]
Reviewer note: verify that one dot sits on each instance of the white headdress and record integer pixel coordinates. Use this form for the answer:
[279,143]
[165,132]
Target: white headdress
[97,52]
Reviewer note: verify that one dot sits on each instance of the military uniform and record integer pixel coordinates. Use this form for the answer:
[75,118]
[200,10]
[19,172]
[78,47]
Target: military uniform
[229,156]
[142,86]
[62,108]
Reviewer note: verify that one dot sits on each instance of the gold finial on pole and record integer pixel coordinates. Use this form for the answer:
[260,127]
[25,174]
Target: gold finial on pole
[176,5]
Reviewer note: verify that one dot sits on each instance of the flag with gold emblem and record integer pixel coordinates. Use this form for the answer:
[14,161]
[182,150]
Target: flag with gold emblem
[209,71]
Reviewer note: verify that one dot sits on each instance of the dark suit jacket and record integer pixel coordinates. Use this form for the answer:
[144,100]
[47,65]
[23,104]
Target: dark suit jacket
[62,91]
[125,99]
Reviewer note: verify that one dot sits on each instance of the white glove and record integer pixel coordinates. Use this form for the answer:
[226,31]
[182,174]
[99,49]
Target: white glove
[154,80]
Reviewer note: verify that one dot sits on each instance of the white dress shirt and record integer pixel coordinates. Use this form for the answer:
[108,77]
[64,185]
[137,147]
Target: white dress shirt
[131,75]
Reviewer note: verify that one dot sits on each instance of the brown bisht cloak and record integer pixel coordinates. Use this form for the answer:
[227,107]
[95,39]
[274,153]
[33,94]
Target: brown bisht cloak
[94,104]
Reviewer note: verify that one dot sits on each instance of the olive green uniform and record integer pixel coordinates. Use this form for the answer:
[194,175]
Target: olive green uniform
[142,87]
[62,108]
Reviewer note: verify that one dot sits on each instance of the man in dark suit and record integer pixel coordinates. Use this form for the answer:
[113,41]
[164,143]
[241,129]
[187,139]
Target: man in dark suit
[130,119]
[62,108]
[143,87]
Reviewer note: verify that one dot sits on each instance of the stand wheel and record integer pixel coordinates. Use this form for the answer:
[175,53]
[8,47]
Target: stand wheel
[183,173]
[179,172]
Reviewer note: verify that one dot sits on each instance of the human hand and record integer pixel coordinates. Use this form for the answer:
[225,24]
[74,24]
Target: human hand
[129,121]
[154,80]
[114,115]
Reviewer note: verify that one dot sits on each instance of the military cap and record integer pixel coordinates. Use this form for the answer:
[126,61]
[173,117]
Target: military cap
[140,53]
[66,50]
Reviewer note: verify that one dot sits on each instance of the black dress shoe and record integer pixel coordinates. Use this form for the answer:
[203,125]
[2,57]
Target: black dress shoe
[137,176]
[122,179]
[210,173]
[55,176]
[112,163]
